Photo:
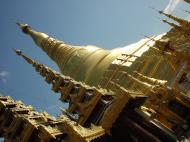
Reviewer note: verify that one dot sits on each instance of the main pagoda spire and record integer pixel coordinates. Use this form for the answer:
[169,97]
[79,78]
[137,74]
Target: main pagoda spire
[83,63]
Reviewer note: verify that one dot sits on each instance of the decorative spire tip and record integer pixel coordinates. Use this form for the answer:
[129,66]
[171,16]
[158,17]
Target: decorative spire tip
[17,51]
[24,27]
[19,24]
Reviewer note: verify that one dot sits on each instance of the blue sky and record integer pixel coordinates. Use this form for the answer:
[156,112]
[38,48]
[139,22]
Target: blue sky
[104,23]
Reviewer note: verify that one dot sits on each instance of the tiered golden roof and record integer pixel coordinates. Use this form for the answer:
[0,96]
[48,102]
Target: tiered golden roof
[21,123]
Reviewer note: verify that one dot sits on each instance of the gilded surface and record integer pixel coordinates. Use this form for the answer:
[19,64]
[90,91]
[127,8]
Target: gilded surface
[140,92]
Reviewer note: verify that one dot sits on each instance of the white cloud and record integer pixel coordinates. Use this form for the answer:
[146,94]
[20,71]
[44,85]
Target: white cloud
[171,6]
[4,80]
[3,76]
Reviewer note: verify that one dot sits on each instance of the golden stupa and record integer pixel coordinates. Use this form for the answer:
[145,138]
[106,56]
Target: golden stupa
[139,93]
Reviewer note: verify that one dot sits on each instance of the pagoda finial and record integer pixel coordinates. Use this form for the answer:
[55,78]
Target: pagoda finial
[181,21]
[29,60]
[178,28]
[38,37]
[18,52]
[171,24]
[24,27]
